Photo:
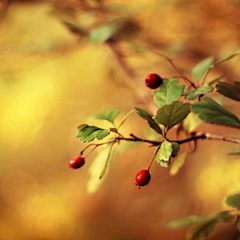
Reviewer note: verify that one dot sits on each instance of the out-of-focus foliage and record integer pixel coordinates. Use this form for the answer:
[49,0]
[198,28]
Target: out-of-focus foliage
[51,79]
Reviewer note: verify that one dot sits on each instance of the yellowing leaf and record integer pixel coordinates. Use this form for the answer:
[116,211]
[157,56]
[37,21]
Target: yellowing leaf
[177,164]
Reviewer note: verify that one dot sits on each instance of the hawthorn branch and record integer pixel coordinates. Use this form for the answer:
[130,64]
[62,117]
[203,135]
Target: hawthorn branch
[196,137]
[210,136]
[137,139]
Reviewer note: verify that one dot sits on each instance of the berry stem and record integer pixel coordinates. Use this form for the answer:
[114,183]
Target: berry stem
[171,62]
[153,158]
[95,146]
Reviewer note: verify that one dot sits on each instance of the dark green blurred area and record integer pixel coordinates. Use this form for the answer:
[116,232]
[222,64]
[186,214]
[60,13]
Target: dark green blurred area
[52,78]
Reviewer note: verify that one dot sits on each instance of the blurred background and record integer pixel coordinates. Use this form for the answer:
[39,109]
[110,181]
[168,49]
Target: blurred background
[53,76]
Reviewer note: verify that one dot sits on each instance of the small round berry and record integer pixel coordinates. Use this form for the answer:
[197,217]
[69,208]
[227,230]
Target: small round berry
[76,162]
[153,81]
[143,178]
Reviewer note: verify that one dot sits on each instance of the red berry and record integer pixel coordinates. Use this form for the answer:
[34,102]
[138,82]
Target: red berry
[143,178]
[153,81]
[76,162]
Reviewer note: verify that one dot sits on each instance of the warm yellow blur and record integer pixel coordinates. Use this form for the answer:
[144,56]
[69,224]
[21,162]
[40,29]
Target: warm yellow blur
[51,81]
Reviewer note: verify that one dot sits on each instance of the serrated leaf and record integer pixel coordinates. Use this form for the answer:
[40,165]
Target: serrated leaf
[205,228]
[201,68]
[211,112]
[229,90]
[147,116]
[183,222]
[172,114]
[169,92]
[177,164]
[164,164]
[176,149]
[164,153]
[234,201]
[89,133]
[102,134]
[190,95]
[108,115]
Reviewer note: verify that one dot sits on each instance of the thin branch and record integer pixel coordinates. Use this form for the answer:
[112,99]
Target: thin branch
[95,146]
[206,75]
[153,157]
[170,61]
[210,136]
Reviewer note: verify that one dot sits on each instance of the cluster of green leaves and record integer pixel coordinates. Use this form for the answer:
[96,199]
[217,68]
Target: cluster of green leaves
[88,133]
[173,111]
[203,226]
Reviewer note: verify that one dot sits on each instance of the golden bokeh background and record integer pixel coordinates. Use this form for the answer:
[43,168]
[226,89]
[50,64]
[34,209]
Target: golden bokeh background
[52,80]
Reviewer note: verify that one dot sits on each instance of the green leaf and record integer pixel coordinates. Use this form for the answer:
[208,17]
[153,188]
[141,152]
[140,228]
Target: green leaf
[125,117]
[103,32]
[211,112]
[201,68]
[205,228]
[106,163]
[165,164]
[201,230]
[183,222]
[147,116]
[89,133]
[80,127]
[177,164]
[234,201]
[169,92]
[164,153]
[190,95]
[108,115]
[176,149]
[229,90]
[172,114]
[228,57]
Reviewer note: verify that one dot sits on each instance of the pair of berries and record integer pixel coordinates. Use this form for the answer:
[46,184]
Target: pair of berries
[142,178]
[153,81]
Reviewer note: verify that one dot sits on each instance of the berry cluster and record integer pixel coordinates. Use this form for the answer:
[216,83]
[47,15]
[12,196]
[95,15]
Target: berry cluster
[143,177]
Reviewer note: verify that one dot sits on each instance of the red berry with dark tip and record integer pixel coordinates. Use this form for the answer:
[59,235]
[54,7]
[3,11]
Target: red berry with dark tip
[76,162]
[153,81]
[143,178]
